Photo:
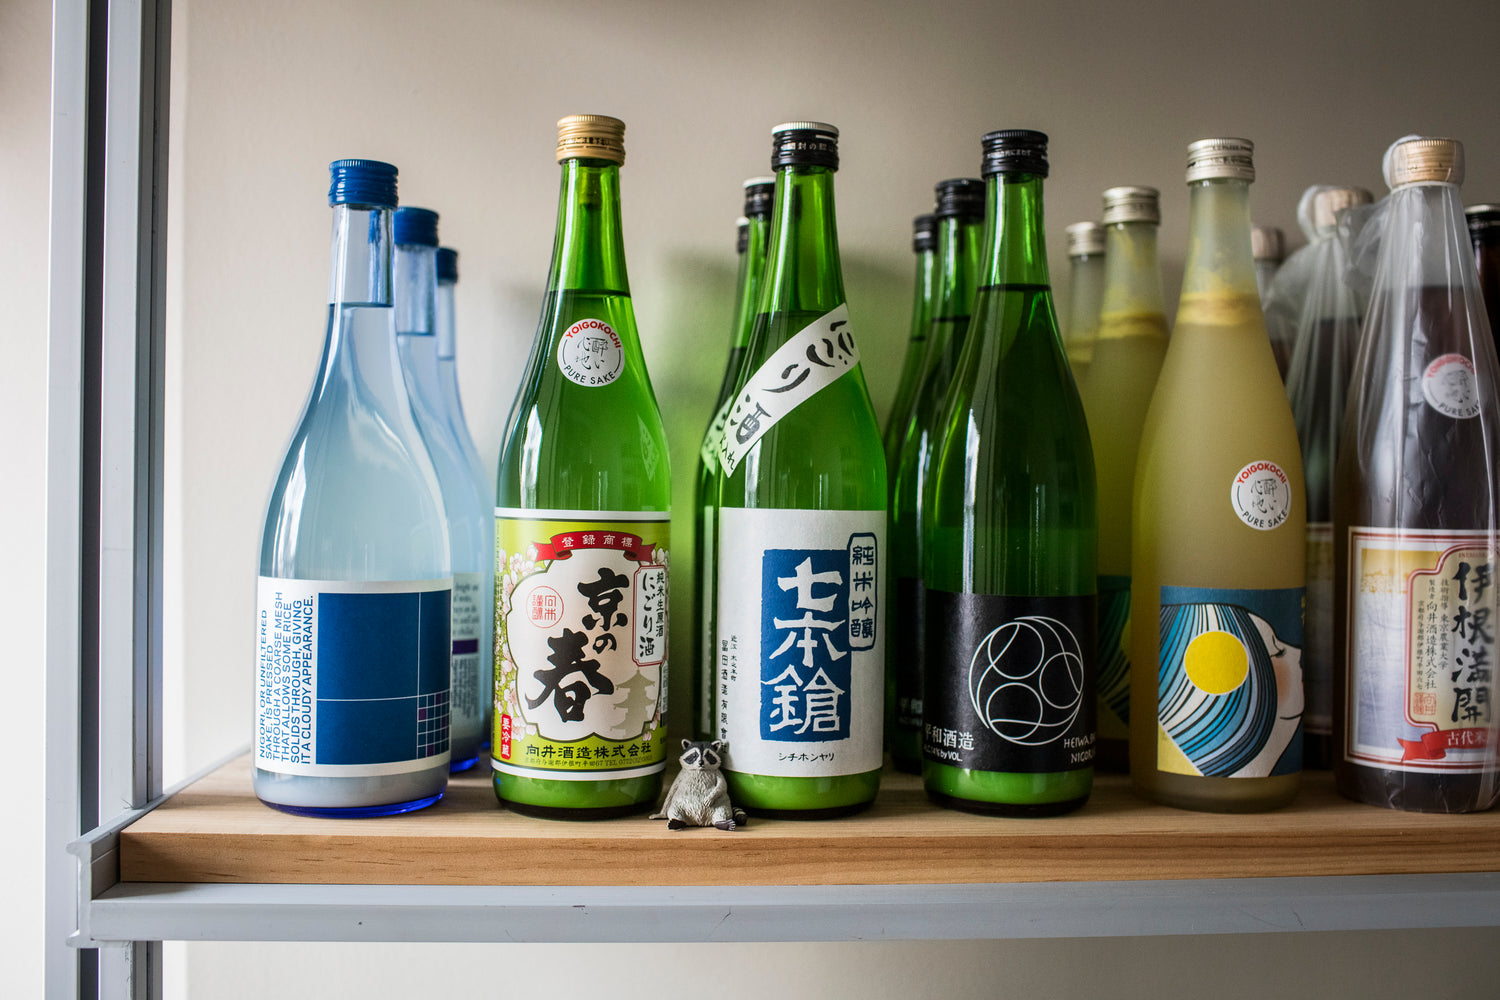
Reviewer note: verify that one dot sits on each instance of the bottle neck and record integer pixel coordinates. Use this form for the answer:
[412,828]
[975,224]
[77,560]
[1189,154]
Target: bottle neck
[588,250]
[1132,279]
[1015,251]
[1219,262]
[416,290]
[802,270]
[360,272]
[925,285]
[752,269]
[958,245]
[443,320]
[1085,295]
[1429,218]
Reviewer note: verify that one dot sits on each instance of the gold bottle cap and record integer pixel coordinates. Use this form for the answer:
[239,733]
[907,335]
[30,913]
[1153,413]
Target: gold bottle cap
[1132,204]
[1267,243]
[1417,159]
[1209,159]
[593,137]
[1085,239]
[1327,201]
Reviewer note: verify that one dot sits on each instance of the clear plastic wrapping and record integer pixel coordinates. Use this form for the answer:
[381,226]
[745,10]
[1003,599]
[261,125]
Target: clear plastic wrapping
[1415,506]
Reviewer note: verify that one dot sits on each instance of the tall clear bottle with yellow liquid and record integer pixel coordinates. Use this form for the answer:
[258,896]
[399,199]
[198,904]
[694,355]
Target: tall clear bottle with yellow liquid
[1116,390]
[1085,293]
[1219,521]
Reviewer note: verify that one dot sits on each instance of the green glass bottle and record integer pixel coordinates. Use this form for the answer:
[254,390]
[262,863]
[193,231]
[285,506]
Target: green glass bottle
[960,234]
[753,230]
[802,501]
[581,525]
[924,287]
[1008,694]
[1085,293]
[1116,391]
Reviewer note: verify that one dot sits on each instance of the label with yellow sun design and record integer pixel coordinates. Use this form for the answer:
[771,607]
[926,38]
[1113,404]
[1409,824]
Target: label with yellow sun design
[1229,696]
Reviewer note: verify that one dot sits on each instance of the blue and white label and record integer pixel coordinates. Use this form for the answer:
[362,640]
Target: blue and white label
[352,679]
[800,641]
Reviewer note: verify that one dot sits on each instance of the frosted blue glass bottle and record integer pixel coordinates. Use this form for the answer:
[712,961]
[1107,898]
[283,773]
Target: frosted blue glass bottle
[352,616]
[453,414]
[470,521]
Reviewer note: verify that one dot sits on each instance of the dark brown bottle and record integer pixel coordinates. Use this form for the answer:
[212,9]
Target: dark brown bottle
[1415,512]
[1484,232]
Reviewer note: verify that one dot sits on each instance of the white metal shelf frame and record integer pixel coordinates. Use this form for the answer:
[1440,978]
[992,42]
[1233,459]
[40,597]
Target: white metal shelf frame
[103,651]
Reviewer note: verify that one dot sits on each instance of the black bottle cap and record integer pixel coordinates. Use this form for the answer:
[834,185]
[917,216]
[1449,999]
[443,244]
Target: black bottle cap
[760,195]
[962,197]
[1484,222]
[742,235]
[1014,151]
[924,234]
[804,144]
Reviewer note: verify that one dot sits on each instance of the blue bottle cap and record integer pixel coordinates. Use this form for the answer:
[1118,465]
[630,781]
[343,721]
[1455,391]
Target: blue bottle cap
[416,226]
[447,264]
[369,183]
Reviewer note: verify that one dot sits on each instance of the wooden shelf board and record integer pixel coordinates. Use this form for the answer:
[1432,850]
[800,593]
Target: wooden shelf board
[215,830]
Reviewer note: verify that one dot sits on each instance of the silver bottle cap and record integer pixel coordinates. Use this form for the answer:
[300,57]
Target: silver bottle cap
[1132,204]
[1417,159]
[1267,243]
[1209,159]
[1085,239]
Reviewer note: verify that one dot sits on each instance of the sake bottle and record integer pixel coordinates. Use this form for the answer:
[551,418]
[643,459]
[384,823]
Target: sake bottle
[470,522]
[1008,685]
[1085,293]
[1328,316]
[1116,390]
[801,540]
[1484,232]
[1268,248]
[751,232]
[1217,546]
[960,231]
[452,410]
[352,603]
[581,524]
[1415,534]
[923,246]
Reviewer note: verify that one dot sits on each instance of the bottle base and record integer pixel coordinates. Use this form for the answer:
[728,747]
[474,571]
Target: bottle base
[1013,809]
[832,812]
[1419,793]
[582,815]
[356,812]
[463,765]
[1237,799]
[552,798]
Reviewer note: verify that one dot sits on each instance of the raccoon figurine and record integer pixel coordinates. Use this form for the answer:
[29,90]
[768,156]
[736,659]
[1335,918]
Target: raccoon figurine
[699,795]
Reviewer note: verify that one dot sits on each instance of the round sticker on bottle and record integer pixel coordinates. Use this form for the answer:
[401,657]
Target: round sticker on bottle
[1261,495]
[1449,387]
[590,353]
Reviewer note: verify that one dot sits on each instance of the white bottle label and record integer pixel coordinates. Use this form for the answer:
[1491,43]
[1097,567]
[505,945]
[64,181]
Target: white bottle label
[713,440]
[1261,495]
[800,641]
[590,353]
[806,364]
[469,647]
[1449,387]
[351,679]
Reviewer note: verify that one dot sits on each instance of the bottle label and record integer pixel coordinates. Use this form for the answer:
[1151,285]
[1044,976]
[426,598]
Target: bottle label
[1449,387]
[1422,616]
[801,643]
[1261,495]
[467,699]
[1007,685]
[907,634]
[1317,655]
[704,719]
[713,441]
[351,679]
[807,363]
[1114,657]
[1229,688]
[590,353]
[580,643]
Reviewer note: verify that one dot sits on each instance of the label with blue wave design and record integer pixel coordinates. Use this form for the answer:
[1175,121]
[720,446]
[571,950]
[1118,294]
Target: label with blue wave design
[1229,689]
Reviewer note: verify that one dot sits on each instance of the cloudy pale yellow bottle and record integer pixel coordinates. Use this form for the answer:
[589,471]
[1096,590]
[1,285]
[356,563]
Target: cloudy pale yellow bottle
[1085,293]
[1116,389]
[1219,521]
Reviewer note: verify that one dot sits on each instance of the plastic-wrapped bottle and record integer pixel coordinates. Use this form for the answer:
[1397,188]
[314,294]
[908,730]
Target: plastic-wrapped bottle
[1218,546]
[1085,293]
[1268,248]
[352,619]
[751,235]
[960,235]
[582,524]
[1484,231]
[1116,391]
[1008,687]
[1313,306]
[802,494]
[923,246]
[1416,601]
